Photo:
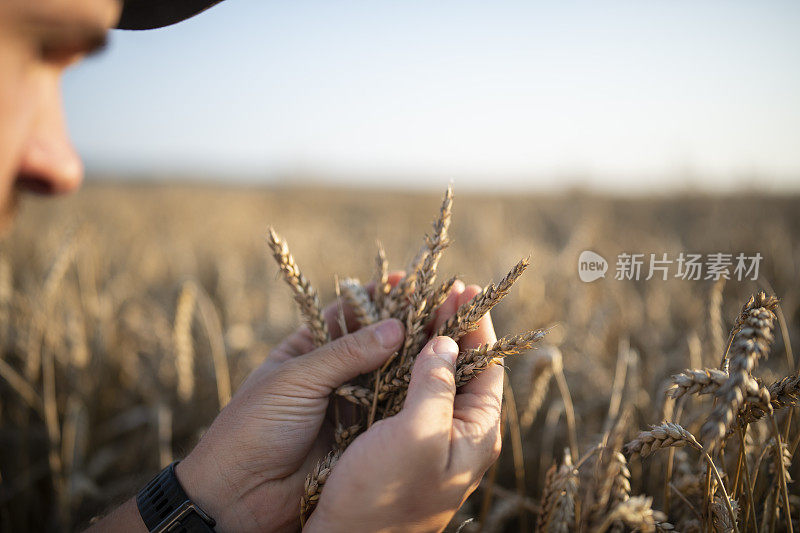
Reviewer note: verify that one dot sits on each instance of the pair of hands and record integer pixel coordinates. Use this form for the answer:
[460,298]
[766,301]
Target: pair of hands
[409,472]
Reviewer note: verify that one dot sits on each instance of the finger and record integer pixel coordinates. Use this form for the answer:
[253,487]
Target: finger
[485,389]
[341,360]
[432,389]
[450,305]
[301,341]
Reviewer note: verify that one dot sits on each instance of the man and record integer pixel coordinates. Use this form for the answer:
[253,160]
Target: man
[406,473]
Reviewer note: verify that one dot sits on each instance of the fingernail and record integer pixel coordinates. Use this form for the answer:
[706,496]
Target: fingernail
[446,348]
[389,333]
[458,287]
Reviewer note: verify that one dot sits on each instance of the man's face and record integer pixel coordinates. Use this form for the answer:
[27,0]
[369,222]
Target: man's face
[38,40]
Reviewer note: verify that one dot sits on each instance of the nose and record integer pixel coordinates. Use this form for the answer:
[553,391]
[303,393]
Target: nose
[49,163]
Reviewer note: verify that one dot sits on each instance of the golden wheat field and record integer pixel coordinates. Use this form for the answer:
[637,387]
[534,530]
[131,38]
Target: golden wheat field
[129,314]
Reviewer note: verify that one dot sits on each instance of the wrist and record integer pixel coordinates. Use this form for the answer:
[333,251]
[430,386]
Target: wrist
[124,518]
[206,487]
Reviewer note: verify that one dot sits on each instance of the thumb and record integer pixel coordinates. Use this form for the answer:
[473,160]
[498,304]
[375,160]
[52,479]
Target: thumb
[432,389]
[339,361]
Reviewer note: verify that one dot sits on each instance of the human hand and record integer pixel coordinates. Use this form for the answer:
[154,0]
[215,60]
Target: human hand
[411,472]
[248,469]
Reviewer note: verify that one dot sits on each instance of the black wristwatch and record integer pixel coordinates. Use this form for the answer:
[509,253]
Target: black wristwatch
[165,507]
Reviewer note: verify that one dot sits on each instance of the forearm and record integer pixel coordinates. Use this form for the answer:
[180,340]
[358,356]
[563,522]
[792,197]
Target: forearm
[124,518]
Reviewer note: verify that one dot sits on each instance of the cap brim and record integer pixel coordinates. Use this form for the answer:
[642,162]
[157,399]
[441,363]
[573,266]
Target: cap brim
[150,14]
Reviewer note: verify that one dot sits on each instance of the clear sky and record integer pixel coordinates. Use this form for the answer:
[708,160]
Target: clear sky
[624,95]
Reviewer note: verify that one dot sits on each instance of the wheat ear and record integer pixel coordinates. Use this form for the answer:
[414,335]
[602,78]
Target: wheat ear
[558,498]
[756,301]
[435,298]
[782,393]
[315,481]
[669,435]
[721,519]
[382,286]
[415,325]
[468,365]
[343,436]
[636,512]
[304,294]
[356,394]
[422,295]
[472,362]
[468,315]
[422,270]
[665,435]
[358,298]
[750,343]
[702,381]
[616,480]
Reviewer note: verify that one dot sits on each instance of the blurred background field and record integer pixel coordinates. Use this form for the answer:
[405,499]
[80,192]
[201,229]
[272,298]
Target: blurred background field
[617,127]
[89,285]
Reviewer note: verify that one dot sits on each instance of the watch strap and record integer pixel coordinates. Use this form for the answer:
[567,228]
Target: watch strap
[165,506]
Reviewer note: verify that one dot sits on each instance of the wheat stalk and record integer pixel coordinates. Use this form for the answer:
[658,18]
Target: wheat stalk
[21,386]
[6,293]
[715,324]
[541,374]
[182,338]
[209,316]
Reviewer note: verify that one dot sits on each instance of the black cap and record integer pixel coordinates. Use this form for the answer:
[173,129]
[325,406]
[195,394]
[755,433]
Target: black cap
[149,14]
